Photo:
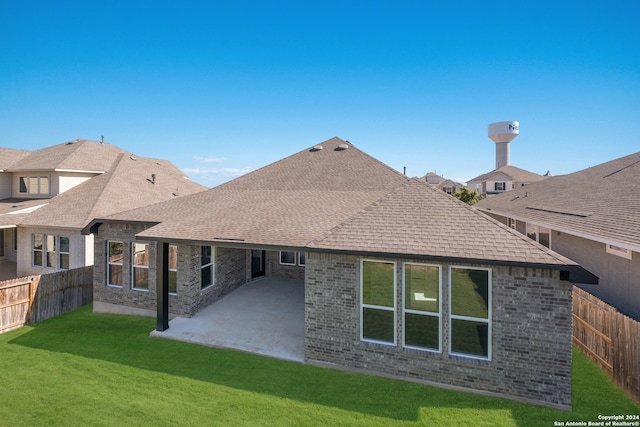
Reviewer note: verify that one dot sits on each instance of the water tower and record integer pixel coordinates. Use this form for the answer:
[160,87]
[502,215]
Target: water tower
[502,133]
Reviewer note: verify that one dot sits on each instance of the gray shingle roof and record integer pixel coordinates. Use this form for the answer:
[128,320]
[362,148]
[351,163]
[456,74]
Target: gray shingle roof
[339,200]
[78,155]
[516,174]
[126,186]
[417,219]
[600,202]
[286,203]
[9,156]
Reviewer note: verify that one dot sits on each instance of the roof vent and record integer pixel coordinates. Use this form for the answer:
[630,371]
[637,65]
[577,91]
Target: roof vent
[317,147]
[342,147]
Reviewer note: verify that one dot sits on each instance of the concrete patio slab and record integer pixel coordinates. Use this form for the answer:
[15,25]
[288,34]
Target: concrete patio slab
[265,316]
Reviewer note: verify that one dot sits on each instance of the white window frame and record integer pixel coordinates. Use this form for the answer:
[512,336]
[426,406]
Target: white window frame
[38,184]
[110,263]
[46,251]
[618,251]
[378,307]
[61,252]
[34,250]
[135,266]
[174,269]
[211,264]
[488,320]
[422,313]
[295,257]
[302,259]
[536,229]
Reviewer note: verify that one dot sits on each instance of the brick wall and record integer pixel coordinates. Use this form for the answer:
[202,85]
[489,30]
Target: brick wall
[275,269]
[230,273]
[531,332]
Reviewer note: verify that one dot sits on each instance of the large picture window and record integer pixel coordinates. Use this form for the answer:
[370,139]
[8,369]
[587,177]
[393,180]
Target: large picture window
[378,291]
[470,312]
[422,306]
[206,266]
[114,263]
[140,265]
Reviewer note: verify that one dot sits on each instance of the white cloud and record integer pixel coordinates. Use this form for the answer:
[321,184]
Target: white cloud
[215,176]
[202,159]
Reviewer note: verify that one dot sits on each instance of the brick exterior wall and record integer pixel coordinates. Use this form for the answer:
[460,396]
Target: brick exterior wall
[230,273]
[531,332]
[275,269]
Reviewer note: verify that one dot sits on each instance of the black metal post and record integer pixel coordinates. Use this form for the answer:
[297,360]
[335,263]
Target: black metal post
[162,286]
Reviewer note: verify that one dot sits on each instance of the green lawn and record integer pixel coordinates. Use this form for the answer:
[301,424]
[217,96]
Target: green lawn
[87,369]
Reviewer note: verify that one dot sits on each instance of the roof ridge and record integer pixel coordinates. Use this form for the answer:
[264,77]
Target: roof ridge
[364,209]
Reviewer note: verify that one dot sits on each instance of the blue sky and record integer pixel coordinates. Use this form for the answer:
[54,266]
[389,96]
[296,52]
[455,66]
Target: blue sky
[223,88]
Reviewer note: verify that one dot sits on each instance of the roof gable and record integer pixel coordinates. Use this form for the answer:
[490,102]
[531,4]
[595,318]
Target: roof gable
[511,173]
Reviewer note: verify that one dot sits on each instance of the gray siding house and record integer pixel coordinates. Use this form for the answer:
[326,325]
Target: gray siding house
[591,216]
[389,288]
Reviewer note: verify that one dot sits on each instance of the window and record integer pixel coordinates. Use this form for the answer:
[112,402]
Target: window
[500,186]
[50,246]
[378,292]
[287,258]
[114,263]
[63,253]
[34,185]
[470,312]
[173,269]
[422,306]
[290,258]
[140,265]
[206,266]
[51,251]
[540,234]
[38,249]
[512,223]
[619,251]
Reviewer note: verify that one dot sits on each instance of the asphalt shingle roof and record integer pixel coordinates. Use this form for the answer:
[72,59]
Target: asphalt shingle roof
[9,156]
[419,219]
[338,200]
[600,202]
[127,185]
[78,155]
[516,174]
[286,203]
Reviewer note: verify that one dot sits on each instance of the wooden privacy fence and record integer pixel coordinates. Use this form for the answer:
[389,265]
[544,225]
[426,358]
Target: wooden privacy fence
[609,338]
[34,298]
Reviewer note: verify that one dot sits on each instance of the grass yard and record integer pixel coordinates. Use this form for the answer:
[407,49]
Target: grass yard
[92,369]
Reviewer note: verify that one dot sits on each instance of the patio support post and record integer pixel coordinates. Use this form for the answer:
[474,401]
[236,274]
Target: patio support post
[162,286]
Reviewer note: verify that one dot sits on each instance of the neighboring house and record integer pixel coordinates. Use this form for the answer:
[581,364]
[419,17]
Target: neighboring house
[389,287]
[47,196]
[505,178]
[592,217]
[446,185]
